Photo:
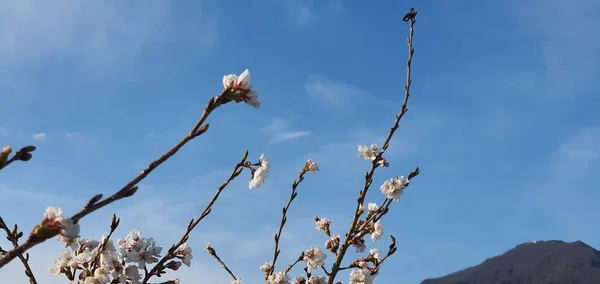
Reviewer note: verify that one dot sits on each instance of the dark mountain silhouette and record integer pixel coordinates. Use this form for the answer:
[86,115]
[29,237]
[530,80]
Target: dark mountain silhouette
[543,262]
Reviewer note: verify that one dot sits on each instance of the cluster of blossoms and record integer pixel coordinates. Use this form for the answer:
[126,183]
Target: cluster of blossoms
[275,278]
[371,225]
[361,276]
[312,280]
[241,89]
[88,261]
[104,263]
[393,188]
[372,153]
[314,258]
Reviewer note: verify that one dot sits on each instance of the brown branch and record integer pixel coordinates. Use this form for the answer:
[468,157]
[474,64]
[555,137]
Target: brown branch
[284,220]
[392,249]
[410,18]
[159,268]
[299,259]
[130,188]
[212,252]
[13,236]
[22,155]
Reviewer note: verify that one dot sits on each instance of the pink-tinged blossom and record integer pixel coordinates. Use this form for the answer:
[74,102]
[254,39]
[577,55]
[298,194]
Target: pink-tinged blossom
[361,276]
[241,82]
[314,258]
[359,245]
[62,263]
[53,214]
[333,243]
[377,231]
[374,253]
[311,166]
[69,230]
[278,278]
[322,224]
[383,163]
[6,150]
[316,280]
[88,244]
[242,86]
[185,252]
[373,207]
[368,153]
[267,266]
[394,188]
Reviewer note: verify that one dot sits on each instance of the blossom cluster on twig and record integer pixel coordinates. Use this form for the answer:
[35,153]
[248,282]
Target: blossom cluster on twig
[135,259]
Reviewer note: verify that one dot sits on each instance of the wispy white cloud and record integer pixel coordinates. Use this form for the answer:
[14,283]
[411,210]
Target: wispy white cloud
[97,32]
[39,136]
[307,12]
[334,93]
[316,11]
[278,130]
[564,191]
[340,95]
[568,63]
[36,196]
[72,135]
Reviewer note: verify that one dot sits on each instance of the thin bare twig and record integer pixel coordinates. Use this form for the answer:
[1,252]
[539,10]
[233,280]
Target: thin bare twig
[392,249]
[130,188]
[289,268]
[22,155]
[284,220]
[113,226]
[13,236]
[410,18]
[212,252]
[159,268]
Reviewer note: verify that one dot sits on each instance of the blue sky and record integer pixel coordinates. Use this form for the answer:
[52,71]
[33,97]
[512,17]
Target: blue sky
[503,123]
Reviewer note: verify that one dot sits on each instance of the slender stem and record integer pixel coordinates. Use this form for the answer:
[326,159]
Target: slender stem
[172,251]
[212,252]
[368,178]
[289,268]
[284,220]
[127,190]
[13,237]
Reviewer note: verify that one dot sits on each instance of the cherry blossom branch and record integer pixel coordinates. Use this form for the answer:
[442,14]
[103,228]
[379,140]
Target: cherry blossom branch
[13,237]
[410,18]
[212,252]
[130,188]
[22,155]
[160,267]
[309,166]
